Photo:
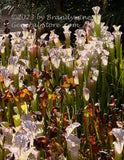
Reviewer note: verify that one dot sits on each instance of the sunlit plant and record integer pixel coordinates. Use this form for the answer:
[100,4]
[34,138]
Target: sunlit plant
[57,100]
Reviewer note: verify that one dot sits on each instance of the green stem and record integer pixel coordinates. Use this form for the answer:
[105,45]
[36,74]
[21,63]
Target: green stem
[68,42]
[16,80]
[103,93]
[45,51]
[100,75]
[39,62]
[111,66]
[31,62]
[118,54]
[9,112]
[118,156]
[98,30]
[19,107]
[7,51]
[3,154]
[69,71]
[86,76]
[51,45]
[3,57]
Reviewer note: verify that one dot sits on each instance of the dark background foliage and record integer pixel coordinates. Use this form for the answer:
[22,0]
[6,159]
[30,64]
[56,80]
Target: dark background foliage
[112,10]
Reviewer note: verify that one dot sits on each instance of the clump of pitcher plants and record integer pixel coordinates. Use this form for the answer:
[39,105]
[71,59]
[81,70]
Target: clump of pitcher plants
[57,102]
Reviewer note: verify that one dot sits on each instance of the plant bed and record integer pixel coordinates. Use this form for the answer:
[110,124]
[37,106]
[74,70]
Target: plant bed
[57,102]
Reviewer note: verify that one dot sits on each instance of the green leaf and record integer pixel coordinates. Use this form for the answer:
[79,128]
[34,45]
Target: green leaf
[17,120]
[5,124]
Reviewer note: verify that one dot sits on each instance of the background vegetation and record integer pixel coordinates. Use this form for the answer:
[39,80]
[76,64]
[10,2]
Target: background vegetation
[112,11]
